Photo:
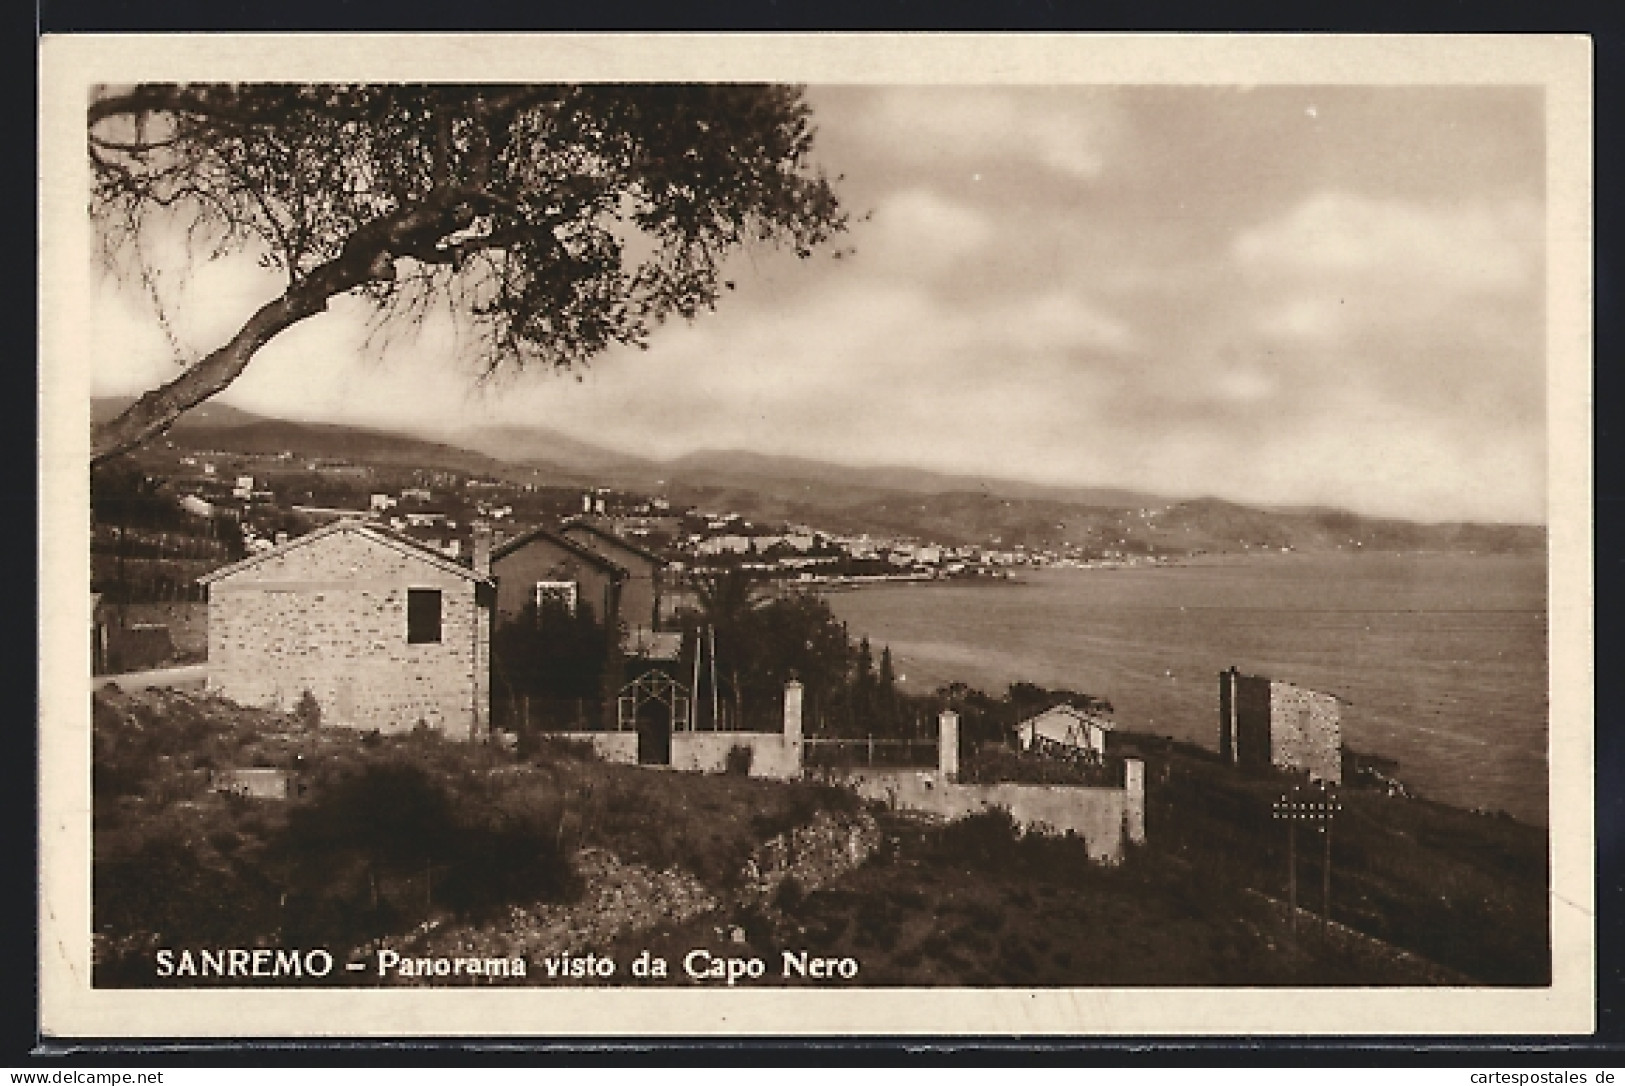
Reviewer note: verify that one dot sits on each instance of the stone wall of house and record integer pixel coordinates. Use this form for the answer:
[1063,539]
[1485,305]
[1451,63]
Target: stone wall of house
[1306,732]
[1105,818]
[330,618]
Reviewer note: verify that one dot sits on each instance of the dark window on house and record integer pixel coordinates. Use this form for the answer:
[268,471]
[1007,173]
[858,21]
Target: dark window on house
[422,615]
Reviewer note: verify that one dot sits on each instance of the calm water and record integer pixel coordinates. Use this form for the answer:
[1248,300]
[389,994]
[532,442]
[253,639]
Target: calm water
[1441,660]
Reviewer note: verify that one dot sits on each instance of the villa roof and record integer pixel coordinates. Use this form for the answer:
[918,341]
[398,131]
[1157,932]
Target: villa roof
[563,542]
[614,540]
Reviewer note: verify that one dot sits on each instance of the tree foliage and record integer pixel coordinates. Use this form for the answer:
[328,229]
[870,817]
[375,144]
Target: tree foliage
[552,653]
[556,221]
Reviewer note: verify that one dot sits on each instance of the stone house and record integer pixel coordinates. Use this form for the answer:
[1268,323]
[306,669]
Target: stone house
[640,590]
[1065,727]
[1266,722]
[383,632]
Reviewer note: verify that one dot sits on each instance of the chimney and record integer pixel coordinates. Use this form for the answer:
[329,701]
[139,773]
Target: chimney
[481,551]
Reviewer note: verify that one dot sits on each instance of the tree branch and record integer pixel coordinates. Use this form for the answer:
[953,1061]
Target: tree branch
[367,256]
[171,98]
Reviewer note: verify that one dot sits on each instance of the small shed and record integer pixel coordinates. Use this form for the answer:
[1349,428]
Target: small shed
[1067,729]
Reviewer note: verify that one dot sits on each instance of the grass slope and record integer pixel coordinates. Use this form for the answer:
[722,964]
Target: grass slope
[394,832]
[1421,894]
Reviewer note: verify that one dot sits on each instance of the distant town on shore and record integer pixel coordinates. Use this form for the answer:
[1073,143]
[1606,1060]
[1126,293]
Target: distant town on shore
[778,519]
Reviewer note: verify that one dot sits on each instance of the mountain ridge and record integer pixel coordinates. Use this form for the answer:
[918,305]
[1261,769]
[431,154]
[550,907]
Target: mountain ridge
[889,500]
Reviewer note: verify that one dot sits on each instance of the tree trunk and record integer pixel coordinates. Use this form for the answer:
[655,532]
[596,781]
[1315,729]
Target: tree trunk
[368,256]
[157,410]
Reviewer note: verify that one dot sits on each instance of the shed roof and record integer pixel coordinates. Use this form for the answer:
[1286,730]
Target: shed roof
[1105,723]
[377,533]
[563,542]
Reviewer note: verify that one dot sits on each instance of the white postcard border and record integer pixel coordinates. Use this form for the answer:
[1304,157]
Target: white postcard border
[70,64]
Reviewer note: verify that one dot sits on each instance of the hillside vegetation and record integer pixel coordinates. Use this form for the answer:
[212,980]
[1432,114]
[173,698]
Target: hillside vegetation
[412,841]
[390,833]
[1421,895]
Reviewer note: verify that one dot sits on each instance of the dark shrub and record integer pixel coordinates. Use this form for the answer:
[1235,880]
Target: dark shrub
[908,957]
[164,885]
[789,895]
[392,812]
[507,860]
[738,761]
[987,838]
[308,712]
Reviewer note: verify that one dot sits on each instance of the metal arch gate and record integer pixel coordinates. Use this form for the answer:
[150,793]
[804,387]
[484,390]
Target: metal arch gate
[654,705]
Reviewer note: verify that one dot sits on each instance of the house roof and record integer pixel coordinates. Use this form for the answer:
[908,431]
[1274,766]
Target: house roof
[1083,717]
[563,542]
[377,533]
[586,525]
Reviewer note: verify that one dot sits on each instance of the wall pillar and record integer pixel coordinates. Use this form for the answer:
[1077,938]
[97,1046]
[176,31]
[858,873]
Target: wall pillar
[792,722]
[792,711]
[1134,807]
[948,744]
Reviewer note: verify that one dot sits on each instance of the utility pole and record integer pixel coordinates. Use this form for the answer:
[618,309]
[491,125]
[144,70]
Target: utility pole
[1320,809]
[713,632]
[1326,878]
[694,699]
[1292,877]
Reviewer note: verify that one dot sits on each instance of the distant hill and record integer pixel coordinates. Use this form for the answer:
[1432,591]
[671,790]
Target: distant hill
[894,501]
[205,416]
[554,452]
[231,429]
[737,468]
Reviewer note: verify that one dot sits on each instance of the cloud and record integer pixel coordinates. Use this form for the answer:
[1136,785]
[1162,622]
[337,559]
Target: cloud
[1422,304]
[1068,133]
[919,231]
[1160,288]
[1061,320]
[1473,248]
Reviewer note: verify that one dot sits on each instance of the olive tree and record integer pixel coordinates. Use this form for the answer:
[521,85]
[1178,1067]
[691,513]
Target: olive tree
[556,221]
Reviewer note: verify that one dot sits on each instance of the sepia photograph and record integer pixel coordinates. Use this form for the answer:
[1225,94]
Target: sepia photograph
[983,535]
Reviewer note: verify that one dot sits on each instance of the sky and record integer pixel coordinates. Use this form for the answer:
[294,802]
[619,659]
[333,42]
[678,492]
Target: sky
[1273,295]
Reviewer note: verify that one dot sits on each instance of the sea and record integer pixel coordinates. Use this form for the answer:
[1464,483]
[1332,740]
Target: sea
[1440,659]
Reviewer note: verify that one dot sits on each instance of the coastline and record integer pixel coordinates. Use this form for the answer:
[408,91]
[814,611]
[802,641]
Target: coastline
[1020,575]
[1439,657]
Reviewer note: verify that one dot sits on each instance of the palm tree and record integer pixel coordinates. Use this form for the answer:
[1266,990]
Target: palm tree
[726,597]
